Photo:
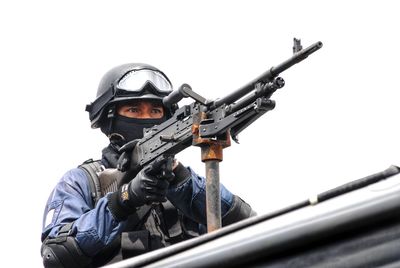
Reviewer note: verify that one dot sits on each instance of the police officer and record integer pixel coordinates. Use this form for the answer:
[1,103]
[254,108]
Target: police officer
[92,218]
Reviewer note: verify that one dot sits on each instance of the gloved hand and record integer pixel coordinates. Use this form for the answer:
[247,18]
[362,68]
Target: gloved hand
[125,164]
[126,151]
[144,188]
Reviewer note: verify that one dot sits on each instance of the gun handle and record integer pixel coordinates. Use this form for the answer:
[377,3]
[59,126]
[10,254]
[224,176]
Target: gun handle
[162,168]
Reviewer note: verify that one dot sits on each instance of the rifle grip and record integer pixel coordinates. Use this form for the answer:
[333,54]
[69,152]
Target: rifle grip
[161,168]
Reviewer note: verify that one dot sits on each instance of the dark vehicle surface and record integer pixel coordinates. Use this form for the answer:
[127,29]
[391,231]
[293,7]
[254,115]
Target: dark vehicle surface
[357,228]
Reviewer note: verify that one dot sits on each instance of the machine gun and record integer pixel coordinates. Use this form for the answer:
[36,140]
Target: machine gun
[210,125]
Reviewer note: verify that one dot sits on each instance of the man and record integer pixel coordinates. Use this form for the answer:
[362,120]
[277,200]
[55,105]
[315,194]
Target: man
[93,217]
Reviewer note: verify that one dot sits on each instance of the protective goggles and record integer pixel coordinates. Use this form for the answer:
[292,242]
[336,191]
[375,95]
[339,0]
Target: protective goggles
[134,83]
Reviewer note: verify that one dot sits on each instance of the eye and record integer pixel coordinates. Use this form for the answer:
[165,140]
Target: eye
[157,110]
[133,109]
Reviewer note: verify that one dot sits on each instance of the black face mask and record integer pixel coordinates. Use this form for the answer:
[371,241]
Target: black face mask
[132,128]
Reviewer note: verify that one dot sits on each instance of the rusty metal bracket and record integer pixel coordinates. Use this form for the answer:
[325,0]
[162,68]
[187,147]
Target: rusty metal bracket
[211,155]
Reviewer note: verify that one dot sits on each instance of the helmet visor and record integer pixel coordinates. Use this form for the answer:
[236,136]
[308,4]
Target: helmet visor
[135,81]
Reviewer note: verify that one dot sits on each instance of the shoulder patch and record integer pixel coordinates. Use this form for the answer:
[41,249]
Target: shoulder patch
[49,217]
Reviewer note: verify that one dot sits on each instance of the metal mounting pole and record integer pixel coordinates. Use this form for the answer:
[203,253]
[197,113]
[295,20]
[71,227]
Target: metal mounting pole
[211,155]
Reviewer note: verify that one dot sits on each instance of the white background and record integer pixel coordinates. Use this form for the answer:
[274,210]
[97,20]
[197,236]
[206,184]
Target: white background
[336,120]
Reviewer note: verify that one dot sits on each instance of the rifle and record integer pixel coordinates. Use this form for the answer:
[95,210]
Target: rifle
[210,125]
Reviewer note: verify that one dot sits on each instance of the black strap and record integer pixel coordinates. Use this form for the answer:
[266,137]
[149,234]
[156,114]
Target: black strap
[172,220]
[92,168]
[64,232]
[136,219]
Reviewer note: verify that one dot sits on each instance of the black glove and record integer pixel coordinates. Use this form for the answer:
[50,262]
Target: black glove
[126,151]
[182,174]
[143,189]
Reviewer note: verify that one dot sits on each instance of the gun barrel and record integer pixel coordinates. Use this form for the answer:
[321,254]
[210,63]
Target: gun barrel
[296,58]
[269,75]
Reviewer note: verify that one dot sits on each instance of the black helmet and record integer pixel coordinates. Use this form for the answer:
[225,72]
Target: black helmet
[127,82]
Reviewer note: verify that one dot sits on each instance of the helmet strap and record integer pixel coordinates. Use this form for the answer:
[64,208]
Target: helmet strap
[110,118]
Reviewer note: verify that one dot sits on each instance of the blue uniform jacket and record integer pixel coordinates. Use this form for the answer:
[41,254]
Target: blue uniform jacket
[95,227]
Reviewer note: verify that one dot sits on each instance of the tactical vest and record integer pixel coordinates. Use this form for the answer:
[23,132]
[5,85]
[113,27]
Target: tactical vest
[149,228]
